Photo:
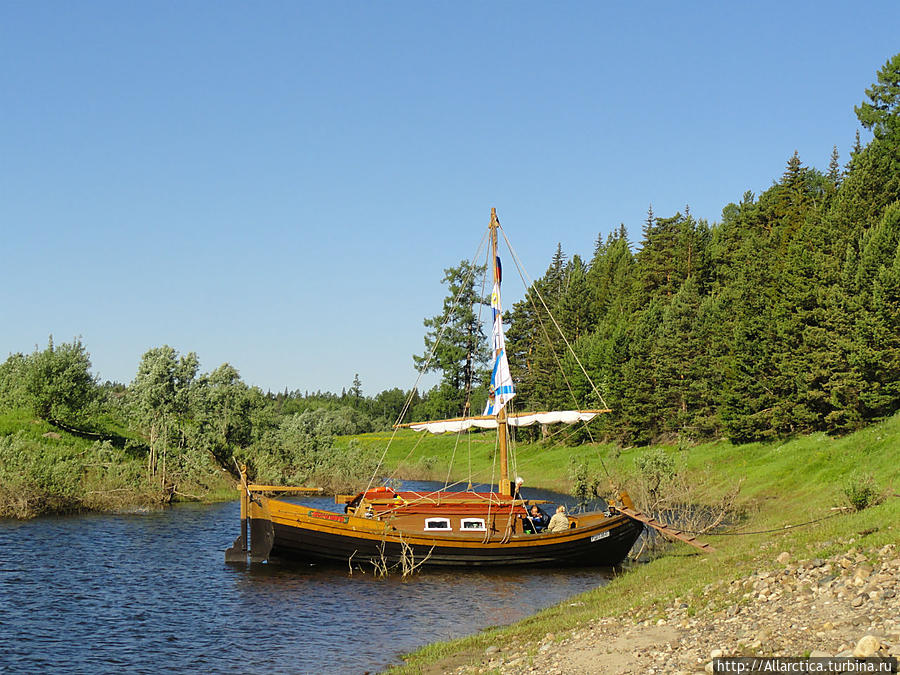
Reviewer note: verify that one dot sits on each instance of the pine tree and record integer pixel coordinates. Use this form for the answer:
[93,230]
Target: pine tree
[857,146]
[845,381]
[649,221]
[790,197]
[575,319]
[575,311]
[677,358]
[641,402]
[673,249]
[877,330]
[749,299]
[555,278]
[611,276]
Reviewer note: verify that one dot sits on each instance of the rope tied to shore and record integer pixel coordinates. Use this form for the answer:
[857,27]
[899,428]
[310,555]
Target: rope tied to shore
[775,529]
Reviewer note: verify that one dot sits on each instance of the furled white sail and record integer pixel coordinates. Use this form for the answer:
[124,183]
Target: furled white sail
[520,420]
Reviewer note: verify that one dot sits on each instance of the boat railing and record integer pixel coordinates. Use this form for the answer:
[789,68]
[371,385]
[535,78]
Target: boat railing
[254,487]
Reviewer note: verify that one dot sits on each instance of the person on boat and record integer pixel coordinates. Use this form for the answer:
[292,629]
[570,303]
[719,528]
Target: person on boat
[537,519]
[559,522]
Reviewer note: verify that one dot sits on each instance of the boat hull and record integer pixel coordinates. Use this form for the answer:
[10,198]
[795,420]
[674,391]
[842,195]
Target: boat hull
[307,535]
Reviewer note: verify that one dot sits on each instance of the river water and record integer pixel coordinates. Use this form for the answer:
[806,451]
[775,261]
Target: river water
[142,592]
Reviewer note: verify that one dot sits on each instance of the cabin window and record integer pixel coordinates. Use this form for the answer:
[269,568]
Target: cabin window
[473,524]
[437,524]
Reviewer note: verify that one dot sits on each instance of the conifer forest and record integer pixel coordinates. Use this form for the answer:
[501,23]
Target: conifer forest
[781,319]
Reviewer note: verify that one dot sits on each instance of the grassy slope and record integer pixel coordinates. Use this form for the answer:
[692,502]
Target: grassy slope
[783,483]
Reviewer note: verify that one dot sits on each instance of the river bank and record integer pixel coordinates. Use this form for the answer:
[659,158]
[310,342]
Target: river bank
[46,470]
[676,613]
[51,469]
[789,493]
[845,605]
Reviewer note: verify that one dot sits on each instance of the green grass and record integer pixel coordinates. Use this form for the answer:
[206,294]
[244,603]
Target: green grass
[783,483]
[20,420]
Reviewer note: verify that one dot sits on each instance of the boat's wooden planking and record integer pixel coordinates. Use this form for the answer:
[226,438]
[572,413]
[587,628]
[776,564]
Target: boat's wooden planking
[295,515]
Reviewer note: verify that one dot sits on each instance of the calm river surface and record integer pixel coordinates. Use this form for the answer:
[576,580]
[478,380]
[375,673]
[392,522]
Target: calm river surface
[149,591]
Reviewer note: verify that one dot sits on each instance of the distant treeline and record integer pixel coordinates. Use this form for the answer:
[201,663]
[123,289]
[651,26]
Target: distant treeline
[783,318]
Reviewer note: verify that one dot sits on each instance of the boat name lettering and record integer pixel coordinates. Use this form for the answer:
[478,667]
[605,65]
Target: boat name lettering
[598,537]
[328,516]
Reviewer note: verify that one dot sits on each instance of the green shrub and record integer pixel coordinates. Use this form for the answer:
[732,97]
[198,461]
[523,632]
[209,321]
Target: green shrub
[302,452]
[49,475]
[861,491]
[655,467]
[585,487]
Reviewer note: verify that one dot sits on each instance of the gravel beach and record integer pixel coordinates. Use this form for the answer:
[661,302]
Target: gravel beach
[845,605]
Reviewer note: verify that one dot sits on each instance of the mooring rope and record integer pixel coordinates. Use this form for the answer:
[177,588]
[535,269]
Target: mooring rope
[776,529]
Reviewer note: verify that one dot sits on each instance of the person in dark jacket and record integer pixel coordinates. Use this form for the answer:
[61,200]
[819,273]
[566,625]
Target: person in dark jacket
[537,520]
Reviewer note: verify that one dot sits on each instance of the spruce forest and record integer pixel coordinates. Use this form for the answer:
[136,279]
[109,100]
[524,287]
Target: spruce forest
[782,319]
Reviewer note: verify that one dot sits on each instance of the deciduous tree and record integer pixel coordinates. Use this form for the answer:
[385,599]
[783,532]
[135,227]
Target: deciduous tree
[58,382]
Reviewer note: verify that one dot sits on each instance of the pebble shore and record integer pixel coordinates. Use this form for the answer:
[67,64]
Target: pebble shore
[846,605]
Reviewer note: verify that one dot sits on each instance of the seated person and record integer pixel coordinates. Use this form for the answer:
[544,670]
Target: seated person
[559,522]
[536,521]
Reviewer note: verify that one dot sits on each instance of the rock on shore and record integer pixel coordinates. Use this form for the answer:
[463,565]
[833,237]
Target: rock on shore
[847,605]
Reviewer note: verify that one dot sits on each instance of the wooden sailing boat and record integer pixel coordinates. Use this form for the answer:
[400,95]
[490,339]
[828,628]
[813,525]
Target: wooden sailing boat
[389,527]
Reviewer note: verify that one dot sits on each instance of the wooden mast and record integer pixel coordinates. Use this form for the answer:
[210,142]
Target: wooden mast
[501,416]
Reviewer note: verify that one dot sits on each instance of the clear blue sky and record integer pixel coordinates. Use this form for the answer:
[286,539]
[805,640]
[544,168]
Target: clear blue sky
[279,185]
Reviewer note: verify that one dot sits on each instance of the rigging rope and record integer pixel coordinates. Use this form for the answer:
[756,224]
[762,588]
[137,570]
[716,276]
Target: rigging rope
[523,273]
[424,368]
[408,455]
[452,457]
[562,335]
[487,521]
